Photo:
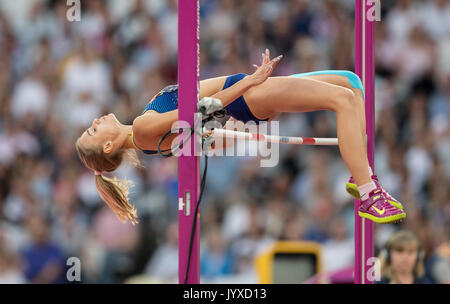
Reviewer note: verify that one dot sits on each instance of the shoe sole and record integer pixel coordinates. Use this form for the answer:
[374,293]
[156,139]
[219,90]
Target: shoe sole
[383,220]
[352,189]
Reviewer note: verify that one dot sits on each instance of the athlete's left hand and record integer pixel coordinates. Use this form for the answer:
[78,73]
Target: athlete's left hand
[265,70]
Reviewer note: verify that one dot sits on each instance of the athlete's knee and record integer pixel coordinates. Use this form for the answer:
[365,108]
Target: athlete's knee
[345,100]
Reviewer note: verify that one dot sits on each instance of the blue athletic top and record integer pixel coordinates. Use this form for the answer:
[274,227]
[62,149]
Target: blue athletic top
[165,101]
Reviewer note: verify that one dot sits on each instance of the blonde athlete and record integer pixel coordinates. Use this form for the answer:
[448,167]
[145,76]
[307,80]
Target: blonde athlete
[256,97]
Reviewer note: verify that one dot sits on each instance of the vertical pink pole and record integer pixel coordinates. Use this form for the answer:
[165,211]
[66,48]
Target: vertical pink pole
[365,68]
[188,166]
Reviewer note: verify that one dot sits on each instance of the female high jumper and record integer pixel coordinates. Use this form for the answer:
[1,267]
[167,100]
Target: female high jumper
[257,97]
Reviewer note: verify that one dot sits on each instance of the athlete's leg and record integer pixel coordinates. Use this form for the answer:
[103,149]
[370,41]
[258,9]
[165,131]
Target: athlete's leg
[211,86]
[343,81]
[290,94]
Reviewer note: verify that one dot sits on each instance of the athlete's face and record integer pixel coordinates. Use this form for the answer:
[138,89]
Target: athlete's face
[102,131]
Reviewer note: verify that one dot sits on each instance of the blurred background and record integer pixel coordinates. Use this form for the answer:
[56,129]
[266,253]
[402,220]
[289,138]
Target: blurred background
[57,76]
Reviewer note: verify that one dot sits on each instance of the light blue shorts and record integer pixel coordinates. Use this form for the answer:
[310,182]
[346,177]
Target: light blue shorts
[354,79]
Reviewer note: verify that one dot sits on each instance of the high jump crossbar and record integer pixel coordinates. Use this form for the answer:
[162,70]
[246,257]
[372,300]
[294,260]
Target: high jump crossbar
[271,138]
[189,166]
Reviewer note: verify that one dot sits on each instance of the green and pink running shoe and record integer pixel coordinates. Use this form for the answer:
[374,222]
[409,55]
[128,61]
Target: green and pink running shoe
[352,189]
[378,209]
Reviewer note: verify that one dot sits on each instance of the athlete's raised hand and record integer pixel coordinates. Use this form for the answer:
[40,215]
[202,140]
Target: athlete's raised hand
[265,69]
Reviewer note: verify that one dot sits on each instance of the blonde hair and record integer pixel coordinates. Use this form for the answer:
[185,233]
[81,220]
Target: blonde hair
[113,191]
[397,242]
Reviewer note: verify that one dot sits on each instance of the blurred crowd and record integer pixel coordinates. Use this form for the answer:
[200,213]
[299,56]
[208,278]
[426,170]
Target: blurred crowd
[57,76]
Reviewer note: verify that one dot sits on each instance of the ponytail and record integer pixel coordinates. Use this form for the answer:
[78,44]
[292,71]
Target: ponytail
[113,191]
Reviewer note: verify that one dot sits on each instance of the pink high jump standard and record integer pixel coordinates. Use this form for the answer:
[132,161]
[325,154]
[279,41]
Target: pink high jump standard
[365,69]
[189,166]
